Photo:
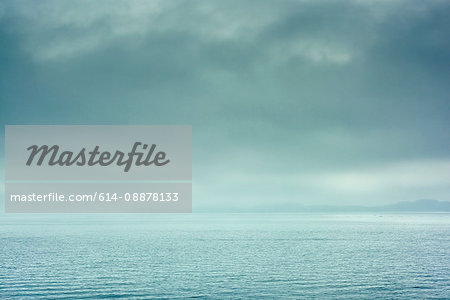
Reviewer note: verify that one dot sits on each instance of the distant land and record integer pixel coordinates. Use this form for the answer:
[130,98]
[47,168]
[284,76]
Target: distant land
[422,205]
[425,205]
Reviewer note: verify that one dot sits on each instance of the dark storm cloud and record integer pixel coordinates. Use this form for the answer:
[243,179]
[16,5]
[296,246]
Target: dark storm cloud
[286,98]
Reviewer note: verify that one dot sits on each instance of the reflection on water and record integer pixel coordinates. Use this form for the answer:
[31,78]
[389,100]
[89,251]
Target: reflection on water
[225,256]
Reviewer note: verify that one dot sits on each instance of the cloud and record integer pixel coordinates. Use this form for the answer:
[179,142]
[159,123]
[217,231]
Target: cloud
[388,183]
[404,175]
[318,101]
[56,30]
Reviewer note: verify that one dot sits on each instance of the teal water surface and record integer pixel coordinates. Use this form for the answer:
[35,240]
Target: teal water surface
[221,256]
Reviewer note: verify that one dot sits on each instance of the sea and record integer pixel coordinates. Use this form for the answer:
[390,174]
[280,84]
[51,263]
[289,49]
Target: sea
[225,256]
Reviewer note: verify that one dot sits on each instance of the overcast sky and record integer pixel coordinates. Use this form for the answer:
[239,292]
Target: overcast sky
[291,102]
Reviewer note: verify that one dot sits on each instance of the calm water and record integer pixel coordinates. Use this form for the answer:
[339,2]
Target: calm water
[226,256]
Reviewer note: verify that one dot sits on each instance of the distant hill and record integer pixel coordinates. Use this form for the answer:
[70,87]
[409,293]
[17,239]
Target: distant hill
[422,205]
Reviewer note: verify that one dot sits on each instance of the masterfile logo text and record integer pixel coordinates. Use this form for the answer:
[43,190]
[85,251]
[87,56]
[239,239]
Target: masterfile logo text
[138,168]
[91,158]
[54,152]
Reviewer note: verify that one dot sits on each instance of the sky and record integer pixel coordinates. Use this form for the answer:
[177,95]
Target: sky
[291,102]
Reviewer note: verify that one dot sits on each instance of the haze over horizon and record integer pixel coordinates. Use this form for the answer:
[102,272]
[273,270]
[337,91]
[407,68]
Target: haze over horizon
[303,102]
